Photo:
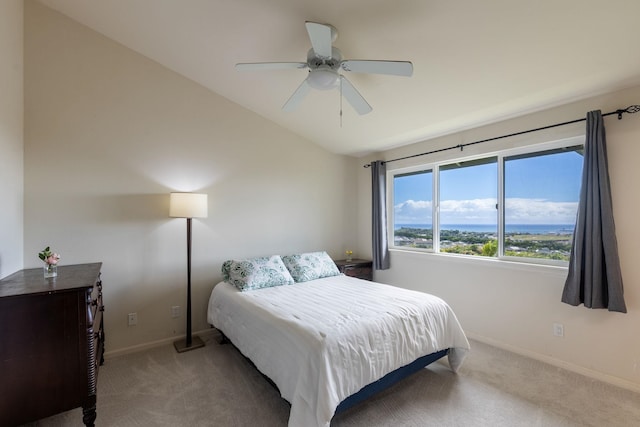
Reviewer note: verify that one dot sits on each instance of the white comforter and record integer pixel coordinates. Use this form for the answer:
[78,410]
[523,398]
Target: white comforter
[322,341]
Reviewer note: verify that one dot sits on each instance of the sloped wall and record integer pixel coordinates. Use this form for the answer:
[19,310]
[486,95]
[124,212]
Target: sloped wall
[109,133]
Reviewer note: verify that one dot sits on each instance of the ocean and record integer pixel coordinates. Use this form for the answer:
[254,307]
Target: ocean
[509,228]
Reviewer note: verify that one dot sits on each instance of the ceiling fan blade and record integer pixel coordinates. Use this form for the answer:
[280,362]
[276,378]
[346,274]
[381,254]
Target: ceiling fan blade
[321,38]
[257,66]
[297,97]
[394,68]
[353,96]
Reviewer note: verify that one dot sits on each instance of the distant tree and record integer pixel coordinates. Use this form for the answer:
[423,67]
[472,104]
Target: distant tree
[490,248]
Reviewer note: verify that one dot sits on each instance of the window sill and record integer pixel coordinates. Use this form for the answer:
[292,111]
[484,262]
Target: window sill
[512,263]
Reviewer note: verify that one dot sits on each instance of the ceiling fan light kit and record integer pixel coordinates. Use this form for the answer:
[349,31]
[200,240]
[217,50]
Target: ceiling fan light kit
[324,62]
[323,79]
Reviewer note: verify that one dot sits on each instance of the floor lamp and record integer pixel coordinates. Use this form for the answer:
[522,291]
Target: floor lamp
[188,205]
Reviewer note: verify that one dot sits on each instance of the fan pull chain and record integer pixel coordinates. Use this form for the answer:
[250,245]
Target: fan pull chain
[340,101]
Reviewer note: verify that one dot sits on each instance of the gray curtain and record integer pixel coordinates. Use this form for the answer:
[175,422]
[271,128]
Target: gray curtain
[379,215]
[595,279]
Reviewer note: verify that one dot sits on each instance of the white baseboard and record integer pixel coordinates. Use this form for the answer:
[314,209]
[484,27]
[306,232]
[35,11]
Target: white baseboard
[153,344]
[610,379]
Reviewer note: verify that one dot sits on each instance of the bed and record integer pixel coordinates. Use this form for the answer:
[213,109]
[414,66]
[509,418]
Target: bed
[328,343]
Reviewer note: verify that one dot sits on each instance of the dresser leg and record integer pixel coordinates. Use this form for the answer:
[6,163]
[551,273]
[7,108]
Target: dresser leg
[89,416]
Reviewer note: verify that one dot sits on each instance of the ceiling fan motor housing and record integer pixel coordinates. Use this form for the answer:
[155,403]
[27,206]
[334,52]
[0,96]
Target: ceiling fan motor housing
[314,61]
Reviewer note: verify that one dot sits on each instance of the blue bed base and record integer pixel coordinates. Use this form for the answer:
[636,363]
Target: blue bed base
[390,379]
[369,390]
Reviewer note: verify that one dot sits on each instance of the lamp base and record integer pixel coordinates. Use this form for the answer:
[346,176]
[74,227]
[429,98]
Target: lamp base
[181,345]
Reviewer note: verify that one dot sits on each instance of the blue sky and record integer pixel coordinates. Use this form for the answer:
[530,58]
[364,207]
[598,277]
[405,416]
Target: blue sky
[538,190]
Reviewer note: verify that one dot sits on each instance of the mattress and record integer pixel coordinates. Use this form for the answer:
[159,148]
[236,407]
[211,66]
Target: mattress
[323,340]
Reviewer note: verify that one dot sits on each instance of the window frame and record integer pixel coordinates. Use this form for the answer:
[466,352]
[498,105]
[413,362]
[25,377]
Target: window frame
[434,168]
[391,207]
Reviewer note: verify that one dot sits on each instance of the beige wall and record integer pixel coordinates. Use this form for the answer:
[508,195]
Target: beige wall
[110,133]
[11,136]
[514,305]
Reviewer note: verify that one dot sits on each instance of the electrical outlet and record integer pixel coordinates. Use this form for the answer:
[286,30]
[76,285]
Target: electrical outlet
[175,311]
[558,330]
[132,319]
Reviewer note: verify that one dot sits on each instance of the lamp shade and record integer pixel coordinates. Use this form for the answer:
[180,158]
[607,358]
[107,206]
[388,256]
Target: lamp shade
[188,205]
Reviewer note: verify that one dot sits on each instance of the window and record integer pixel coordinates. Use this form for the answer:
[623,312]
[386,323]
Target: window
[468,207]
[515,204]
[413,209]
[541,192]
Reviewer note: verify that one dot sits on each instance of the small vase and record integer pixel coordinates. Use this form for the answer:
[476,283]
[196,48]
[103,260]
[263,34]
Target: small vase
[50,270]
[349,258]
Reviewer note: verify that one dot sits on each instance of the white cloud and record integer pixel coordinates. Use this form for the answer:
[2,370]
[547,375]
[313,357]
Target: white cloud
[474,211]
[413,212]
[483,211]
[540,211]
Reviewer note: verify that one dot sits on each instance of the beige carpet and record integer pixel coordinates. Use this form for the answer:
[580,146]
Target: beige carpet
[216,386]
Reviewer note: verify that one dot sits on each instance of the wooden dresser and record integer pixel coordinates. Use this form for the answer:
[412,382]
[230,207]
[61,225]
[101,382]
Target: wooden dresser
[51,343]
[360,268]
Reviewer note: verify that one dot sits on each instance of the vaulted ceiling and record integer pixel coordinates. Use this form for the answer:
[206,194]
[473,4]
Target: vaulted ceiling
[475,62]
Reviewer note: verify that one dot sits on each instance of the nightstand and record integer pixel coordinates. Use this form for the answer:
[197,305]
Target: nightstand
[360,268]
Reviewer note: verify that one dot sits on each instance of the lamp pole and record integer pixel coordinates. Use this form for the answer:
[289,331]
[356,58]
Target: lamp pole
[189,206]
[188,339]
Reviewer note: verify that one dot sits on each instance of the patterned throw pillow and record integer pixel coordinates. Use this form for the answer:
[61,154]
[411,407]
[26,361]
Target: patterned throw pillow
[226,266]
[256,273]
[310,266]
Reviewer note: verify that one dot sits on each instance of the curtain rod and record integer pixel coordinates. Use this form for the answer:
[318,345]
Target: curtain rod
[630,110]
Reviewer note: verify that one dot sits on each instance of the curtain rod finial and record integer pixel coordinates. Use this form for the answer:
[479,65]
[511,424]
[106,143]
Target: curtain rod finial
[632,109]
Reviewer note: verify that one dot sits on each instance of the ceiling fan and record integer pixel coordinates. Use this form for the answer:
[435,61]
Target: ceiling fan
[324,61]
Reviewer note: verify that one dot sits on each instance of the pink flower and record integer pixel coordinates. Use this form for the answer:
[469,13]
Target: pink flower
[52,259]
